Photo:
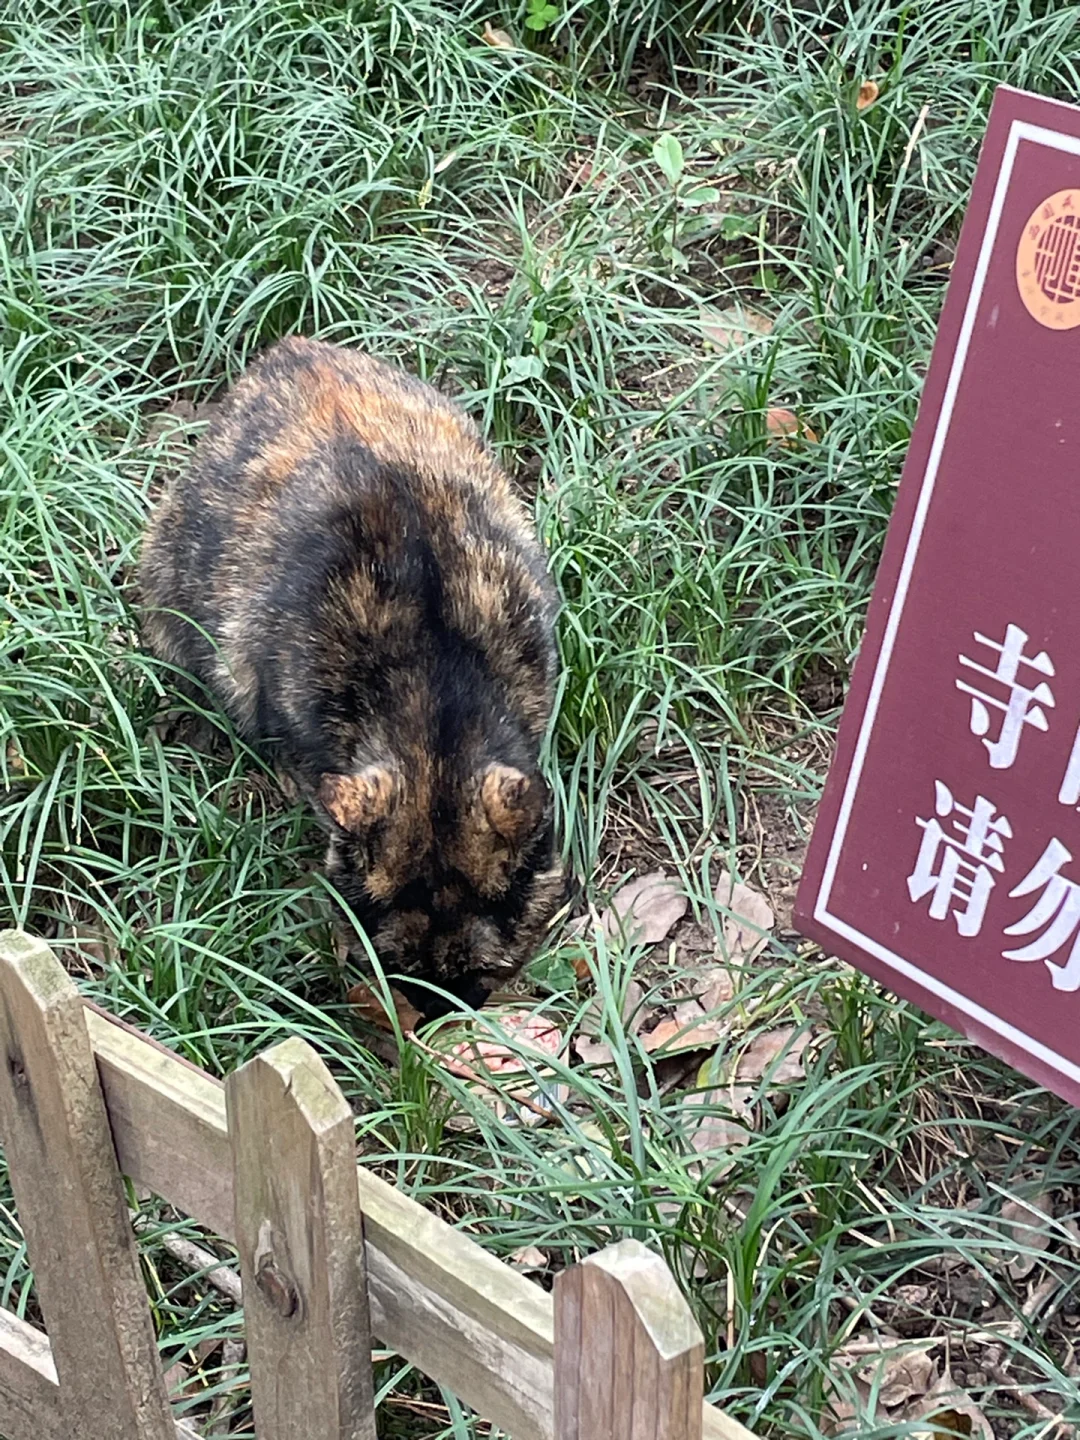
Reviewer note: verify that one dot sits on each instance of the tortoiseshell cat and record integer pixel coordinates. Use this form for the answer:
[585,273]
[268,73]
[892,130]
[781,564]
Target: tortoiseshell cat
[372,608]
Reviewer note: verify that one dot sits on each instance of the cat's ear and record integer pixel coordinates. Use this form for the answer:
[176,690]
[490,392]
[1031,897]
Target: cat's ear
[356,802]
[512,802]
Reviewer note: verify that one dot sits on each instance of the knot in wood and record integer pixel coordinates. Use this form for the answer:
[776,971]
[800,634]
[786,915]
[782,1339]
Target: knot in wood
[276,1287]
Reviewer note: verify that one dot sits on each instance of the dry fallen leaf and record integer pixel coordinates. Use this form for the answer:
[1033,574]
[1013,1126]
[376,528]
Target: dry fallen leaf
[592,1019]
[841,1412]
[593,1052]
[950,1411]
[868,93]
[894,1373]
[584,1162]
[890,1375]
[683,1034]
[586,175]
[582,175]
[751,914]
[175,1377]
[733,327]
[905,1376]
[207,1347]
[760,1056]
[529,1257]
[717,987]
[229,1386]
[900,1375]
[369,1006]
[949,1423]
[646,909]
[89,949]
[696,973]
[189,412]
[498,38]
[709,1133]
[785,426]
[914,1296]
[1028,1229]
[182,1383]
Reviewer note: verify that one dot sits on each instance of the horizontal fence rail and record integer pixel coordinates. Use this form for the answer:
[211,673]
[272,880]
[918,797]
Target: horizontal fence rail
[435,1297]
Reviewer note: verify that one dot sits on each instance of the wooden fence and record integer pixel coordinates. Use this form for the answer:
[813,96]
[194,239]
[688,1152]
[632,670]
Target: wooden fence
[329,1254]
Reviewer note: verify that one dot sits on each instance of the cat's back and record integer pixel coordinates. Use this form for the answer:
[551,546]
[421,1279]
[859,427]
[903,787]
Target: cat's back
[312,423]
[337,503]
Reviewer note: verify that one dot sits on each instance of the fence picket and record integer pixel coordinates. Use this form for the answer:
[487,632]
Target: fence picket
[72,1206]
[299,1234]
[629,1357]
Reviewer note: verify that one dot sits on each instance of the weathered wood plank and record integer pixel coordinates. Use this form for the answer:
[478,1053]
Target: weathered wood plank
[629,1357]
[477,1347]
[168,1121]
[436,1297]
[301,1245]
[718,1426]
[72,1206]
[30,1406]
[29,1392]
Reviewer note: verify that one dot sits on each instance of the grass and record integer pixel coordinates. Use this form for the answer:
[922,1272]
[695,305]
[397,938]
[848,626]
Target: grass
[184,182]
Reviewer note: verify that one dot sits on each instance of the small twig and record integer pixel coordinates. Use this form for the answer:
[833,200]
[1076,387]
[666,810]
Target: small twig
[1008,1330]
[544,1114]
[194,1259]
[1070,1366]
[1041,1294]
[1030,1402]
[429,1409]
[731,1205]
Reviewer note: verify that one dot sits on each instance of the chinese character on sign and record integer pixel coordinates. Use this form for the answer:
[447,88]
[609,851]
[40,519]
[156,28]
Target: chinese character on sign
[1058,908]
[1023,705]
[962,866]
[1069,793]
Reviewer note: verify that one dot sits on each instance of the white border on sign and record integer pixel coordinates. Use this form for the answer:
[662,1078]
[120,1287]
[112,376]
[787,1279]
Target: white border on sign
[1055,140]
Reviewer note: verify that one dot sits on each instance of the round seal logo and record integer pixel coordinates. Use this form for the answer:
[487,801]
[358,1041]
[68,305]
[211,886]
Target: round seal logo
[1048,262]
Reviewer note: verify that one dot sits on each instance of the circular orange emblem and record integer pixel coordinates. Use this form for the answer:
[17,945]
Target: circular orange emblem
[1048,262]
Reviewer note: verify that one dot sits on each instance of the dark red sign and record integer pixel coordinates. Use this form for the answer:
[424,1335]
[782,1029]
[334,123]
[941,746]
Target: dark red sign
[946,857]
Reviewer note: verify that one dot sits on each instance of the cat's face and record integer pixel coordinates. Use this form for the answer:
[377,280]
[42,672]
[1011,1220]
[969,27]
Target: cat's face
[459,892]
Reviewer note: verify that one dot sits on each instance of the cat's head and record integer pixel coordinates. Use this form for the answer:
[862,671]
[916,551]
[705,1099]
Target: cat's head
[455,880]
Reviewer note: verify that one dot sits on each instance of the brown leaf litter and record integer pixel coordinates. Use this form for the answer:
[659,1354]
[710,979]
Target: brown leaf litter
[893,1382]
[748,920]
[645,910]
[733,327]
[1028,1230]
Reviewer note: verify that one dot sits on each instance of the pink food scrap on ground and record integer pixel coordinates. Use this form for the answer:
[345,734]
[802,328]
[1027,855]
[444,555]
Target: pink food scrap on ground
[533,1032]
